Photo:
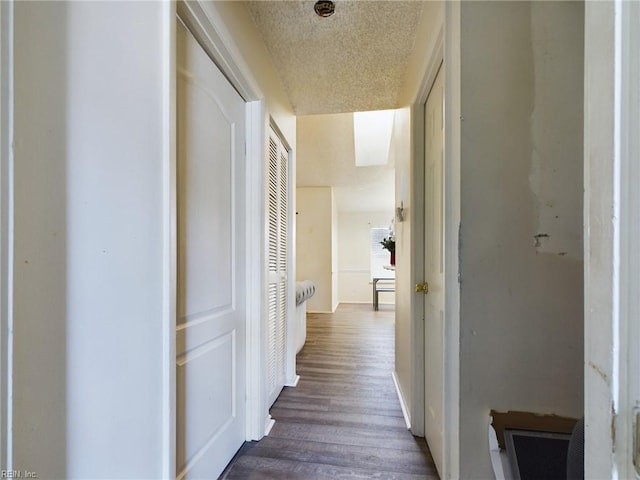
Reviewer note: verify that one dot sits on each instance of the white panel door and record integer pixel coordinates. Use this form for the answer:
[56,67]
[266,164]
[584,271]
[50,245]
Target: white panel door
[211,270]
[434,273]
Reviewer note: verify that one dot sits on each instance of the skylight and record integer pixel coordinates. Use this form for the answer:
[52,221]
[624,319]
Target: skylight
[372,137]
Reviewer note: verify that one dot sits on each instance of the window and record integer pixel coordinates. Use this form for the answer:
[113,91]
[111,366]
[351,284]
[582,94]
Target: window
[379,256]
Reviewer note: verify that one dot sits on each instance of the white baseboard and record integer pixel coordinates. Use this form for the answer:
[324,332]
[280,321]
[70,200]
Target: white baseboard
[294,383]
[403,405]
[270,423]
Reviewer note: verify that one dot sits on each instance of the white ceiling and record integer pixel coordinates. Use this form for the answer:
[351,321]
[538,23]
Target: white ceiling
[352,61]
[326,157]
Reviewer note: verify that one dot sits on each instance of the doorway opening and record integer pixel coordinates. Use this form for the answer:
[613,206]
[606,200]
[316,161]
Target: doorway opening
[345,196]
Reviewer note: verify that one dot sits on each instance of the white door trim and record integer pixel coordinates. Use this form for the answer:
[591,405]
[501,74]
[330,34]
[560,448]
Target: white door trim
[210,31]
[611,236]
[169,244]
[257,409]
[6,227]
[447,54]
[452,226]
[599,243]
[417,242]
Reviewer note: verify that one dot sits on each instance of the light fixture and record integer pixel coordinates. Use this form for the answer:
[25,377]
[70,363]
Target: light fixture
[324,8]
[400,212]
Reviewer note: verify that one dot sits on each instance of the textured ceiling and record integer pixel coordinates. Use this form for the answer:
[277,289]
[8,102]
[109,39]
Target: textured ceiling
[353,61]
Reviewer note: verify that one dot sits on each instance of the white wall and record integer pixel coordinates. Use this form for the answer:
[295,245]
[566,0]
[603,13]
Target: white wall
[89,156]
[335,229]
[405,349]
[354,258]
[408,270]
[91,304]
[521,269]
[314,245]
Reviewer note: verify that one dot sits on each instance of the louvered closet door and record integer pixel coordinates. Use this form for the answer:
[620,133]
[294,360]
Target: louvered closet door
[278,263]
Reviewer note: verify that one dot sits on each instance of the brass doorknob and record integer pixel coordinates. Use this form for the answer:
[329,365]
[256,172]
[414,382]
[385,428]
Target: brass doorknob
[422,287]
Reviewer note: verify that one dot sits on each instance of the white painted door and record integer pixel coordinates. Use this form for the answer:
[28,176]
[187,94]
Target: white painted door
[210,337]
[434,269]
[277,261]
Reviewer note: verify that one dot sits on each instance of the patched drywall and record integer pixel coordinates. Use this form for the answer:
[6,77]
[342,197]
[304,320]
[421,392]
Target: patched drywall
[554,171]
[521,270]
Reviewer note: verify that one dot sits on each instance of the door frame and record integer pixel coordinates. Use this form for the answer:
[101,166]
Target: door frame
[418,240]
[611,234]
[208,27]
[6,225]
[445,56]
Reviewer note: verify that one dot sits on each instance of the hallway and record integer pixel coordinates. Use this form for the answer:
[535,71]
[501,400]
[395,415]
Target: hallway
[343,420]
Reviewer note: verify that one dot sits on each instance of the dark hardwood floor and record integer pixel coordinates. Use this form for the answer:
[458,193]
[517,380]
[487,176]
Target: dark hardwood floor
[343,420]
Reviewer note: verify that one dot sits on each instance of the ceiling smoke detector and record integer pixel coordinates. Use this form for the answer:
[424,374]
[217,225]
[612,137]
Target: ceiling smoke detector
[324,8]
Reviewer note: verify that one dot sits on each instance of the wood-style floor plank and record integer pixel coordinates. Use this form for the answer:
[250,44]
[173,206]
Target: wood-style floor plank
[343,420]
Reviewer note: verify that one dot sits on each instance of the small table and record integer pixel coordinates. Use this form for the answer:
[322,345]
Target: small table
[383,288]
